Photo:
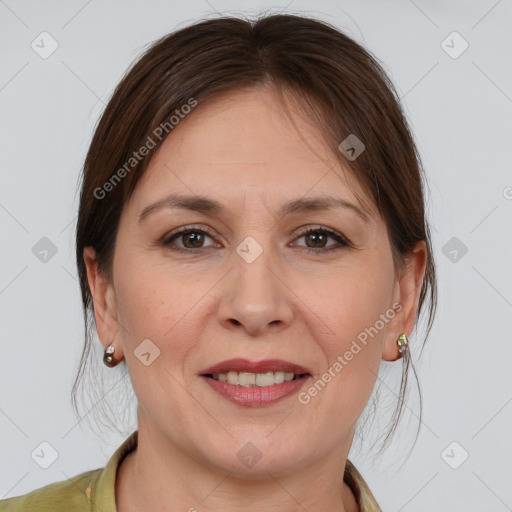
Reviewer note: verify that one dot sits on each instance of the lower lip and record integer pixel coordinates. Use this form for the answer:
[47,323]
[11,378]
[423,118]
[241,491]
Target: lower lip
[256,396]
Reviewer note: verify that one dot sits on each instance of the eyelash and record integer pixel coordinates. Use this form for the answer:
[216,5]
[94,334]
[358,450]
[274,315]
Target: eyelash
[343,241]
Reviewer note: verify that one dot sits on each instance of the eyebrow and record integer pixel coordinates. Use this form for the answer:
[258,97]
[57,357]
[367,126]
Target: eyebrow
[206,205]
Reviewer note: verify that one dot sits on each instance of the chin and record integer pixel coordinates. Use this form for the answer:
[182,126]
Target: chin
[255,456]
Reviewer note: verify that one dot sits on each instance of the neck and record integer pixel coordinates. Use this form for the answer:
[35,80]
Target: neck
[147,481]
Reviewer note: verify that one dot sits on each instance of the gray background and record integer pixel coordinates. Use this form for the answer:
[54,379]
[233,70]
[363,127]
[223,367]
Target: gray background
[460,110]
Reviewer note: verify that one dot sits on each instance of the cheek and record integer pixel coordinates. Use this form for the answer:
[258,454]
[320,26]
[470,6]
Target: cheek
[356,309]
[156,308]
[352,302]
[153,306]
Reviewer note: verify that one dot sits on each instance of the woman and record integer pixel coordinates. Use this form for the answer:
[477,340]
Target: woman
[252,242]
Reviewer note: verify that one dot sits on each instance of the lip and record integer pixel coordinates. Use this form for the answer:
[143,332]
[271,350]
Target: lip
[256,396]
[267,365]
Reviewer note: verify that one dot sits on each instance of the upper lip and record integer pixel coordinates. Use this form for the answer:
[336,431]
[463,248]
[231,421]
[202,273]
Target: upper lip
[266,365]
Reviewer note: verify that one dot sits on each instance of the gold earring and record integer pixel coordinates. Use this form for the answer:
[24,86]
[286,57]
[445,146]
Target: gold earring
[403,343]
[108,356]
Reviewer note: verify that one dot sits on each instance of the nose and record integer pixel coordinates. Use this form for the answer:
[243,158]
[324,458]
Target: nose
[255,297]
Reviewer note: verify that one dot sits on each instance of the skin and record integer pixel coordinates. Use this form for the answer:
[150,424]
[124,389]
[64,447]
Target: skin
[208,304]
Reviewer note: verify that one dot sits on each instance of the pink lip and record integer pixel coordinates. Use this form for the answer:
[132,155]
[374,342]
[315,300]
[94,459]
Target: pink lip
[256,396]
[267,365]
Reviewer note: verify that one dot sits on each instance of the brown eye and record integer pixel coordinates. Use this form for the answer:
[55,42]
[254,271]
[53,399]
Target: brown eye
[316,240]
[194,238]
[190,238]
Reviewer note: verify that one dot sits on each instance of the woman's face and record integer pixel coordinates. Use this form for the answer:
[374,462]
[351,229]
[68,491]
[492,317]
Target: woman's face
[246,281]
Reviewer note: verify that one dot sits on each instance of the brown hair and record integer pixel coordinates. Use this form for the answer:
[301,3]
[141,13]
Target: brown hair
[336,79]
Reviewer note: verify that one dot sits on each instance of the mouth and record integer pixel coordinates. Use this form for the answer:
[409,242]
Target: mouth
[242,372]
[256,383]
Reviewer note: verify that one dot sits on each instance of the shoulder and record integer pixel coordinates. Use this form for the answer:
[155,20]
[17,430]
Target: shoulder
[63,496]
[91,491]
[364,497]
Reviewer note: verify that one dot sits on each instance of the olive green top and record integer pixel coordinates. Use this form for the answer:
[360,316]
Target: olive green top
[94,491]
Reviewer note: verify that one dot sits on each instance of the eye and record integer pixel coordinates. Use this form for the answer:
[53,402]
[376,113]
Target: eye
[319,237]
[192,238]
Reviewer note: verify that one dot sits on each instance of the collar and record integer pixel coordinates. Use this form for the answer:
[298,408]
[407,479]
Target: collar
[101,492]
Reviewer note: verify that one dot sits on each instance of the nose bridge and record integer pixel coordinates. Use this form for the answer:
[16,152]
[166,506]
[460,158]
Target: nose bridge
[256,296]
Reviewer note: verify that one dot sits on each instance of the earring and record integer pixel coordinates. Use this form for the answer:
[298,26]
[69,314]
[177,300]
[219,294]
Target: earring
[108,356]
[403,344]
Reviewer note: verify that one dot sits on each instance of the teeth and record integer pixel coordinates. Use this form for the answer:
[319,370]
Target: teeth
[246,379]
[232,378]
[264,379]
[279,377]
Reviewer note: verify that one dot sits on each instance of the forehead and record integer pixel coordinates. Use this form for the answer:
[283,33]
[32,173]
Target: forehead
[243,143]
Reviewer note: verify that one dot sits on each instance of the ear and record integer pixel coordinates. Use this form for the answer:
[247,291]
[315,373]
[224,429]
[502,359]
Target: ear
[104,304]
[406,295]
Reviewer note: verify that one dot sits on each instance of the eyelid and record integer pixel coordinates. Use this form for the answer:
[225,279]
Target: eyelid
[319,227]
